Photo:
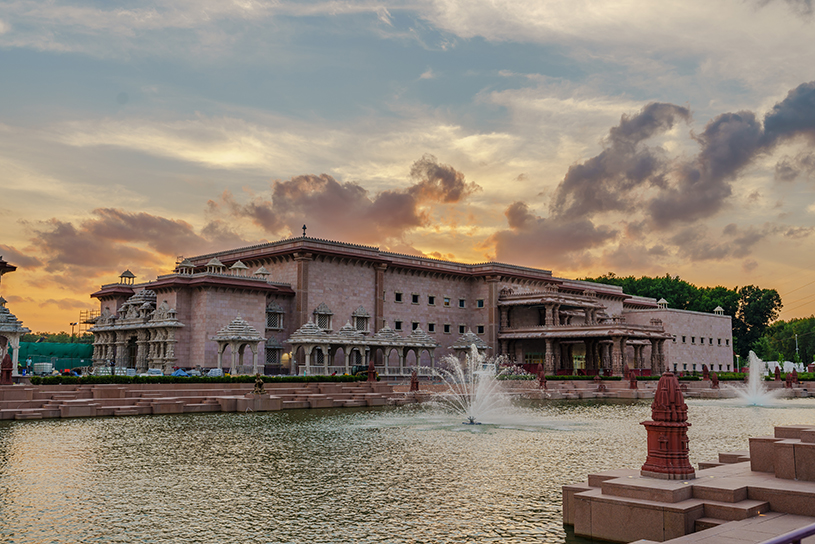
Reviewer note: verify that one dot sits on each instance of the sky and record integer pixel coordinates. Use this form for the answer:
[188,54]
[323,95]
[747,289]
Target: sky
[579,136]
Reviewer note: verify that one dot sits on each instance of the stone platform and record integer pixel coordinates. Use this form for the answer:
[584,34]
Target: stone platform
[747,496]
[57,401]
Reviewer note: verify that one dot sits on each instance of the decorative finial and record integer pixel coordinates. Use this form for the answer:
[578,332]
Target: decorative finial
[304,231]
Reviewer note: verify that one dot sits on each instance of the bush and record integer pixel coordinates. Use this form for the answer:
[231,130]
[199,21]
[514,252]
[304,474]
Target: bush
[516,377]
[98,380]
[575,377]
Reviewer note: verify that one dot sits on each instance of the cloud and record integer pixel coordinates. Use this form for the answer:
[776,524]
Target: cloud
[347,211]
[114,239]
[696,243]
[68,304]
[532,239]
[606,182]
[438,182]
[12,256]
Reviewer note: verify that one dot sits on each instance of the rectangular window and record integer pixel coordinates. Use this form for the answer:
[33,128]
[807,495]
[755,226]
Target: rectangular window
[431,300]
[726,342]
[462,303]
[414,298]
[415,325]
[683,339]
[397,325]
[447,302]
[711,343]
[324,321]
[479,303]
[480,329]
[720,341]
[674,339]
[462,329]
[272,356]
[397,297]
[431,327]
[692,339]
[274,320]
[447,328]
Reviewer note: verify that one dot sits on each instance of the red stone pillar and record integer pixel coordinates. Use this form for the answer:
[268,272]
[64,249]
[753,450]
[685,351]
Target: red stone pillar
[668,434]
[301,292]
[379,298]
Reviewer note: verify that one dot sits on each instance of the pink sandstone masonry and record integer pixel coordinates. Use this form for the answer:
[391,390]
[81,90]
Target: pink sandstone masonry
[745,496]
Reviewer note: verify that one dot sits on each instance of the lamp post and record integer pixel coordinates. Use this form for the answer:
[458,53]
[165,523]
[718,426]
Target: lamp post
[72,331]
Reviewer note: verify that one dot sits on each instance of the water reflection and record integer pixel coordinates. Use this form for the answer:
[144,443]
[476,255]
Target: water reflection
[409,474]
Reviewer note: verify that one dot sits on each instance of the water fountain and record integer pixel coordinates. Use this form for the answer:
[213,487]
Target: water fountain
[756,393]
[472,387]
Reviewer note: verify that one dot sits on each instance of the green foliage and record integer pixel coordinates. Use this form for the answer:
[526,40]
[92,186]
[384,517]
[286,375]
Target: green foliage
[778,341]
[757,309]
[516,377]
[573,377]
[57,337]
[751,308]
[97,380]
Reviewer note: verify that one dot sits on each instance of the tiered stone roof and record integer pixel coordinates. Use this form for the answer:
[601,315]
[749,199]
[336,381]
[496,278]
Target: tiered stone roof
[468,339]
[238,330]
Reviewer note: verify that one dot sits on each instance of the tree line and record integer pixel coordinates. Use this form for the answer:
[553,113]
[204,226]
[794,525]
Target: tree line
[57,337]
[751,308]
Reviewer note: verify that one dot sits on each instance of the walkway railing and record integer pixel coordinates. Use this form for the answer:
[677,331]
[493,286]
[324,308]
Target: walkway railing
[793,537]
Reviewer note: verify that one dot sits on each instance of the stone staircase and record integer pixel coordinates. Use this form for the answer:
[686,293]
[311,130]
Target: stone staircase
[28,402]
[739,491]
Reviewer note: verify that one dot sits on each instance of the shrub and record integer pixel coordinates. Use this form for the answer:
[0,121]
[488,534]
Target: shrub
[99,380]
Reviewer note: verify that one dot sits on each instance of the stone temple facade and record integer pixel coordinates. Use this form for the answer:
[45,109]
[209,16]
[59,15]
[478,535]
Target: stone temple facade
[320,306]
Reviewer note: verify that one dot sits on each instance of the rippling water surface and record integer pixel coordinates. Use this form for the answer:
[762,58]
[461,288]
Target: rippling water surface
[408,475]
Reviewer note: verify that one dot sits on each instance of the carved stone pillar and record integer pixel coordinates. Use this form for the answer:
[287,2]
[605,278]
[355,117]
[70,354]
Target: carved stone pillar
[142,347]
[549,359]
[617,355]
[549,319]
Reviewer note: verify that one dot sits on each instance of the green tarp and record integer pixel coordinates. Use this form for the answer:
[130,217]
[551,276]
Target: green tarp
[62,355]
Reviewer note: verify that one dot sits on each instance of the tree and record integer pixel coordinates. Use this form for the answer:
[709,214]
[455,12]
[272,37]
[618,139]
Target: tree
[57,337]
[757,308]
[751,308]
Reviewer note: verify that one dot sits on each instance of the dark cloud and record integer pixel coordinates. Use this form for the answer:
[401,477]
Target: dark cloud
[798,232]
[791,168]
[534,240]
[659,193]
[347,210]
[608,181]
[697,243]
[633,257]
[21,260]
[63,245]
[438,182]
[115,239]
[166,236]
[700,187]
[793,116]
[749,265]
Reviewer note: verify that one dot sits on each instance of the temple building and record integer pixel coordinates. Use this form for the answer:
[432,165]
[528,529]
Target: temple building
[315,306]
[11,328]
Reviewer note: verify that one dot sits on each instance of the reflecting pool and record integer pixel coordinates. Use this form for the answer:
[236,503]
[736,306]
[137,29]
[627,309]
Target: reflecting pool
[410,474]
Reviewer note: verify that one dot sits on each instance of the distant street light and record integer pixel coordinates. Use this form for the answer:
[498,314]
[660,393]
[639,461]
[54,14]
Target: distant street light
[72,330]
